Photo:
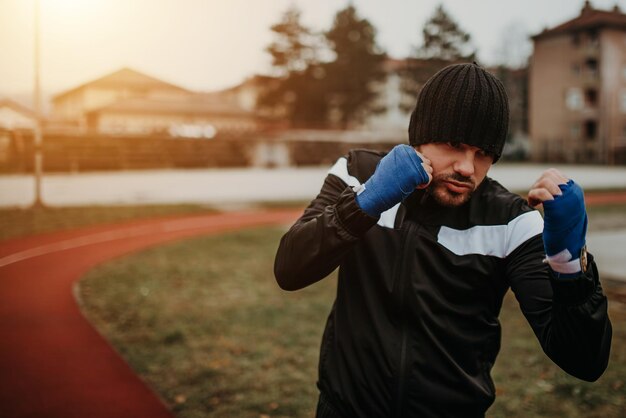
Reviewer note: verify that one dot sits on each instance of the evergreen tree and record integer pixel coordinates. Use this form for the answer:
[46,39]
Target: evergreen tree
[294,48]
[358,67]
[445,40]
[444,43]
[298,93]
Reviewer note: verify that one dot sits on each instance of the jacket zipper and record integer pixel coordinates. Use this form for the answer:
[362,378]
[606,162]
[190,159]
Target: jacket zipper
[403,280]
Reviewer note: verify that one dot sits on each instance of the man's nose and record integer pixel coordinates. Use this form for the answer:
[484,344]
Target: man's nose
[465,164]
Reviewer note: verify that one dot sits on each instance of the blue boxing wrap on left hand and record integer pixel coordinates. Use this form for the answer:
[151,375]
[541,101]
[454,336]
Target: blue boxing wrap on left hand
[565,229]
[396,176]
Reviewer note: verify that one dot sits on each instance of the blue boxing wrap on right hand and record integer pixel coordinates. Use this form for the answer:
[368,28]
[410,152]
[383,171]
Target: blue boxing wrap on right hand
[396,177]
[565,229]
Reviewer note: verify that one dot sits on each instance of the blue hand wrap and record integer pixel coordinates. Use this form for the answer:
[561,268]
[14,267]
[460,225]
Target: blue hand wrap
[565,228]
[397,175]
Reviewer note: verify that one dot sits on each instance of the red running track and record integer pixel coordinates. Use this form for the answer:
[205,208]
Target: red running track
[53,363]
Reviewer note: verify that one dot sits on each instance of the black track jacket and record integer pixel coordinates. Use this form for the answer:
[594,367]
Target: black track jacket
[414,329]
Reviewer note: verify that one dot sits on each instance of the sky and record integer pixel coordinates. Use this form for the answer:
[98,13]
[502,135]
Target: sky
[206,45]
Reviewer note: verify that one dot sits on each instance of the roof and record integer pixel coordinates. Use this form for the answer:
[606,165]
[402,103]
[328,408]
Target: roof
[589,18]
[125,77]
[17,107]
[254,81]
[194,105]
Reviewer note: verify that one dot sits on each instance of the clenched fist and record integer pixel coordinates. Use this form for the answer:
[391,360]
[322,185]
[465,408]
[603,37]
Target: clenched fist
[565,221]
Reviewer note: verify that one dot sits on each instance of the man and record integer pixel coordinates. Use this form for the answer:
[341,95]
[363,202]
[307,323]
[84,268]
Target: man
[427,246]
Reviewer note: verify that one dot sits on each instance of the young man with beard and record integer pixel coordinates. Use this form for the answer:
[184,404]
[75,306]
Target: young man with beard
[427,245]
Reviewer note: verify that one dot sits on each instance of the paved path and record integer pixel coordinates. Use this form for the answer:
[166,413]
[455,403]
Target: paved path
[52,362]
[227,186]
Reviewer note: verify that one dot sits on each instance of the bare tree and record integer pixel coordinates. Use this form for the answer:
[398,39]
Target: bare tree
[514,46]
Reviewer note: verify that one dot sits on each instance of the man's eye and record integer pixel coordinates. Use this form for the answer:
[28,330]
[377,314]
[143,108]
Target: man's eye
[486,154]
[454,144]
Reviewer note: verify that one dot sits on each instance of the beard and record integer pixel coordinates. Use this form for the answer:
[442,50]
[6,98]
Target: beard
[446,197]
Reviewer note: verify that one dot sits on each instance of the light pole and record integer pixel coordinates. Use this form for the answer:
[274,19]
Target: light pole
[38,168]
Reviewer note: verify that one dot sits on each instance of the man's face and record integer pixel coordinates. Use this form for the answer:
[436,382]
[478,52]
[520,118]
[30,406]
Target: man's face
[458,169]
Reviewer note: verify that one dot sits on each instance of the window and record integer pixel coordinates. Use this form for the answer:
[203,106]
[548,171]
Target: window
[590,130]
[591,97]
[623,101]
[591,66]
[574,99]
[593,38]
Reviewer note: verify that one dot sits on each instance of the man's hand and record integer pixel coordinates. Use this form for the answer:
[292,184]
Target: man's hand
[565,220]
[397,175]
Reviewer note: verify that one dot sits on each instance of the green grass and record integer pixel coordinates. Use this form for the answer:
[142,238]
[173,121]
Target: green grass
[204,323]
[530,385]
[16,223]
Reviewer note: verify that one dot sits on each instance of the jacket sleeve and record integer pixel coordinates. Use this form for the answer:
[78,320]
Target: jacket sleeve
[569,317]
[315,245]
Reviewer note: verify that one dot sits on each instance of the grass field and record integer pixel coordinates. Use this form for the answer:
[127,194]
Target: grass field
[204,323]
[16,223]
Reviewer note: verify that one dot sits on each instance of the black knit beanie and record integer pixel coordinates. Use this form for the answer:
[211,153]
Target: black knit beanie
[462,103]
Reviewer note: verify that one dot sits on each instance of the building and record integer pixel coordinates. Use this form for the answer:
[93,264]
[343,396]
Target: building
[128,102]
[193,117]
[577,93]
[14,116]
[74,104]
